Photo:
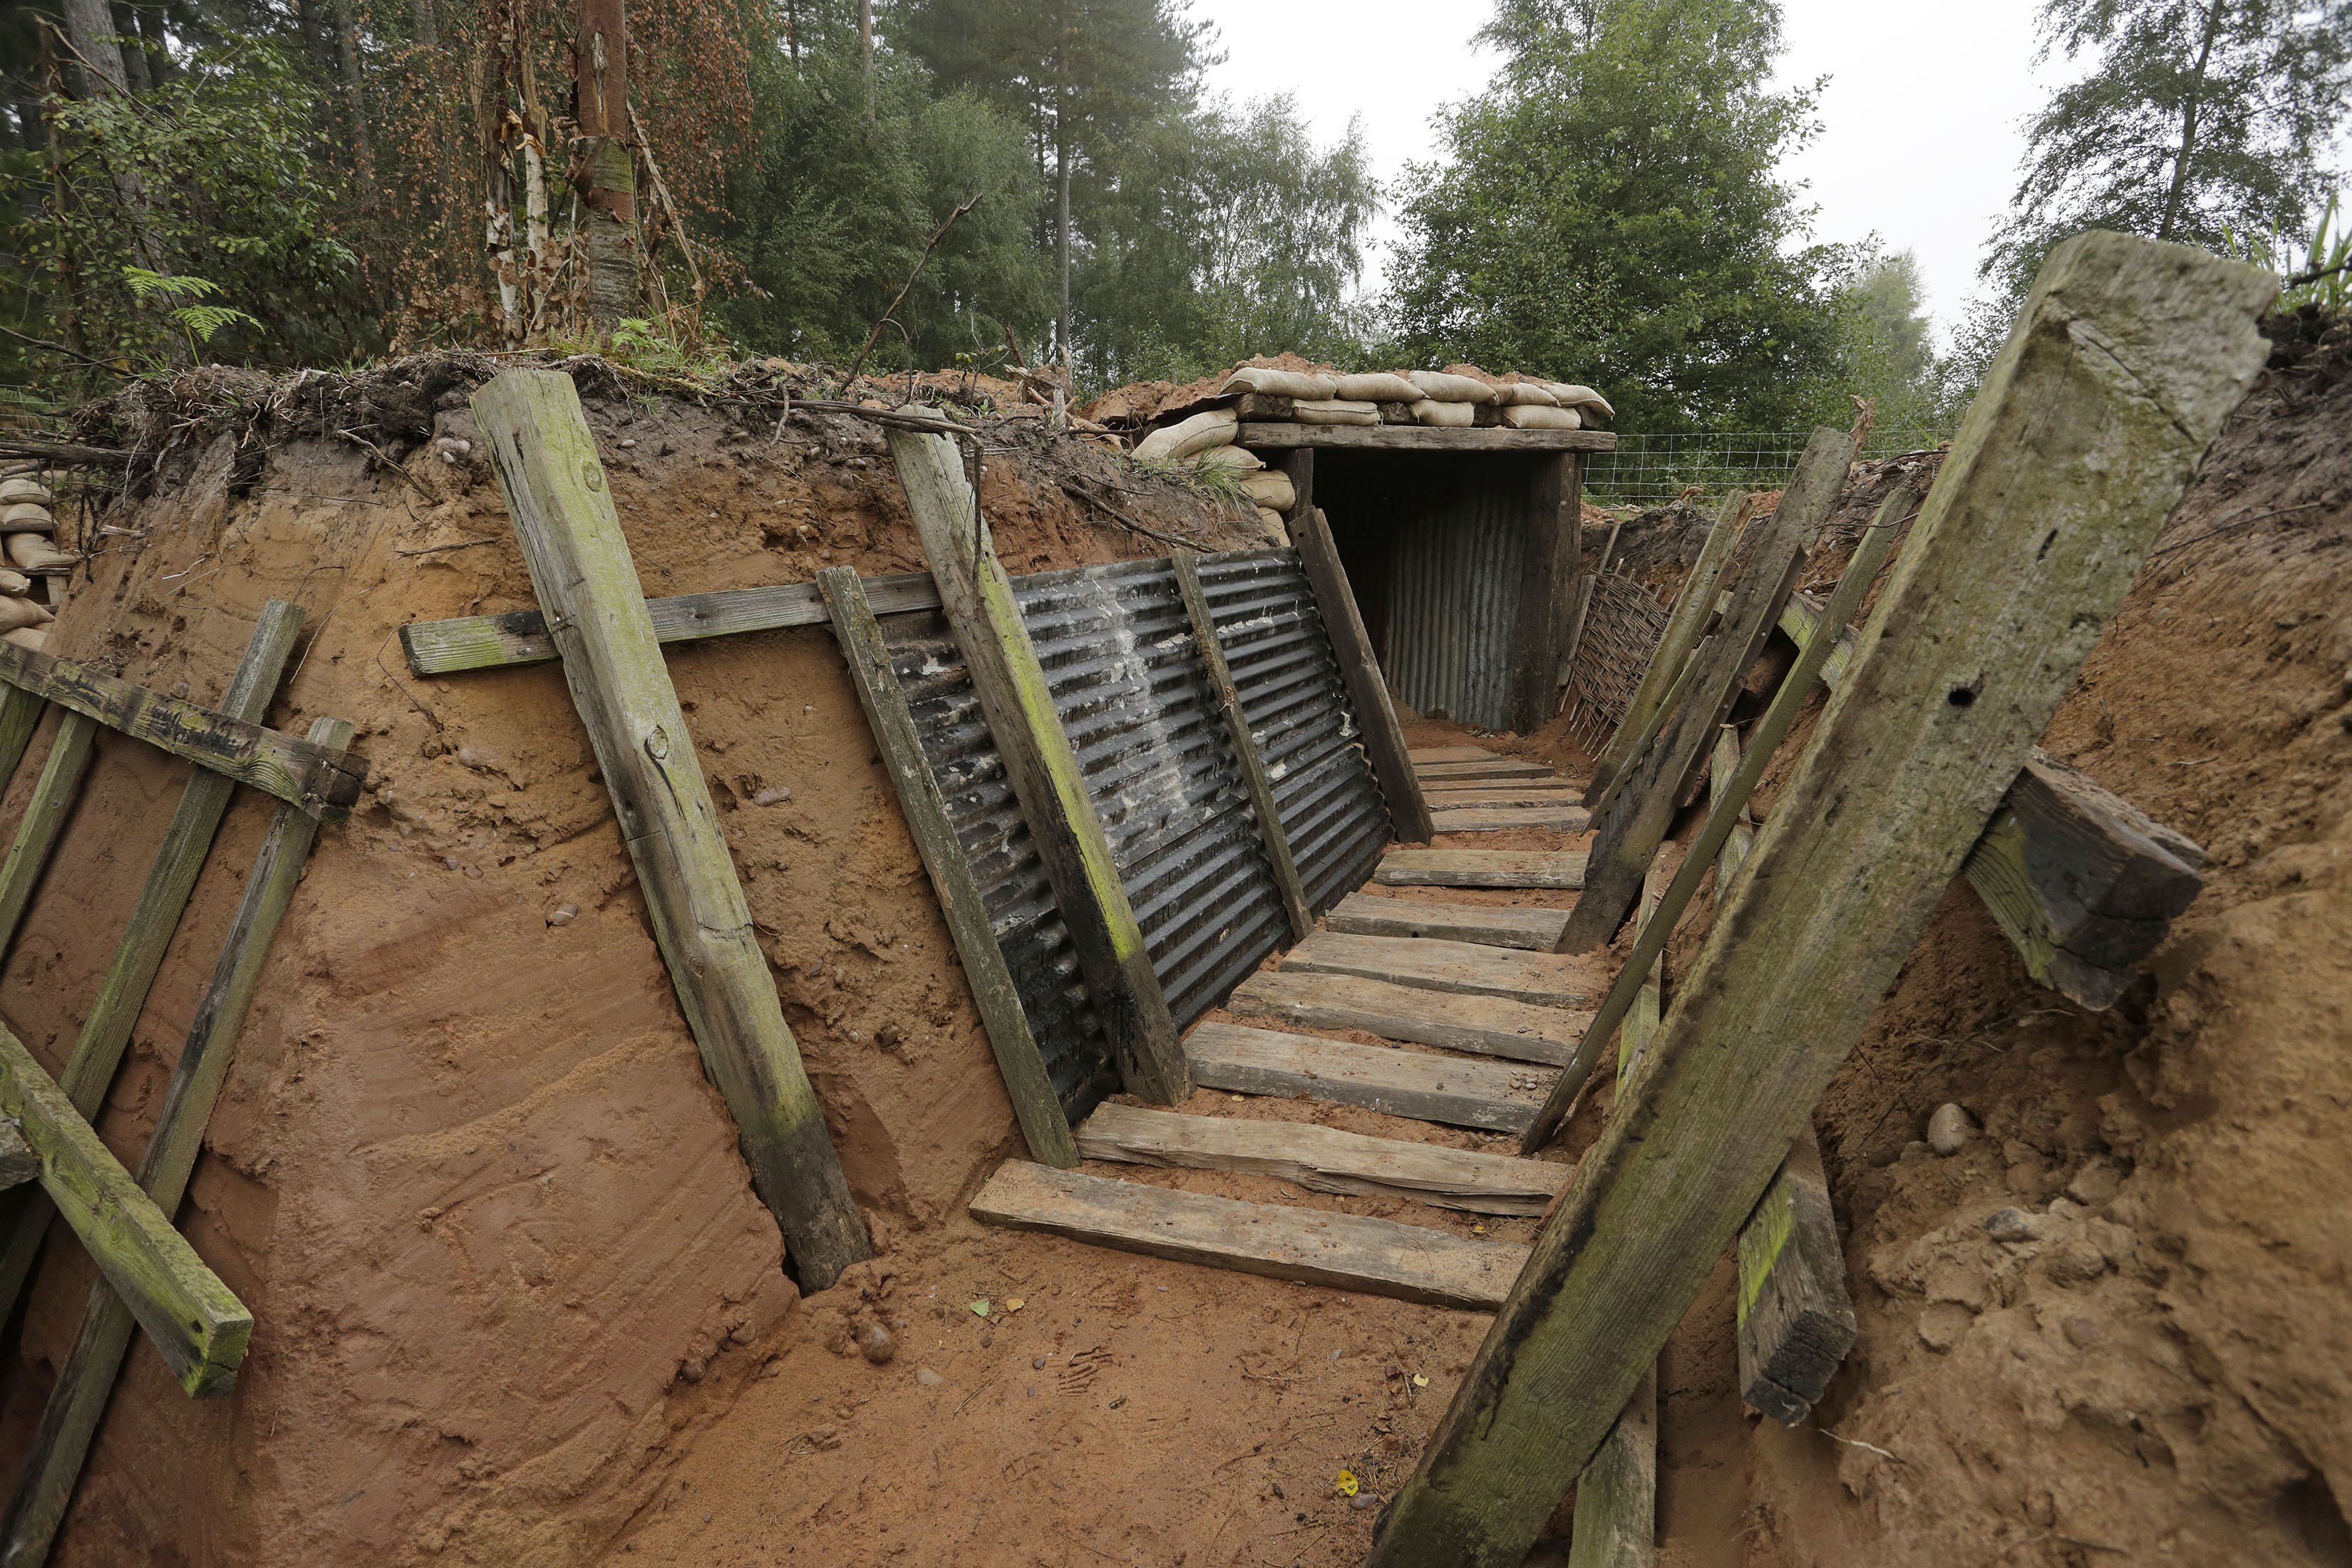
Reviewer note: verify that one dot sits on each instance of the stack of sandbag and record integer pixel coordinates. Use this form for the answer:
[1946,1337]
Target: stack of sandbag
[1520,403]
[30,527]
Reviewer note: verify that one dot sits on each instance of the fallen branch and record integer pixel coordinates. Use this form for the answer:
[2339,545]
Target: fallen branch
[70,353]
[59,451]
[876,335]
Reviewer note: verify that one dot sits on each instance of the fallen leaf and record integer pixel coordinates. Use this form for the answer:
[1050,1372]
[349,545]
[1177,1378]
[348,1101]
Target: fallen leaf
[1419,1381]
[1348,1483]
[981,1307]
[1013,1303]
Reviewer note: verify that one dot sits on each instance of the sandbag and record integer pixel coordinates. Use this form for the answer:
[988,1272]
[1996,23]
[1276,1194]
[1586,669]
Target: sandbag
[30,551]
[1524,393]
[1188,437]
[1240,457]
[1282,383]
[1571,395]
[26,515]
[1275,528]
[1430,411]
[24,488]
[34,637]
[1536,416]
[15,613]
[1435,386]
[1384,387]
[1272,488]
[1335,411]
[15,583]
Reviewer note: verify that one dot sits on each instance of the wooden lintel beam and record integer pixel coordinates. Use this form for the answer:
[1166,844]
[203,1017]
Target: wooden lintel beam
[1419,438]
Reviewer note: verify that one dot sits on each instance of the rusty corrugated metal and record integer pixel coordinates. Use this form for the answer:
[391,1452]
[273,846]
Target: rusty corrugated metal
[1454,603]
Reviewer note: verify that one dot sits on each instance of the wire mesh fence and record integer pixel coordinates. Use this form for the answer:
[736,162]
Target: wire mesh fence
[1652,470]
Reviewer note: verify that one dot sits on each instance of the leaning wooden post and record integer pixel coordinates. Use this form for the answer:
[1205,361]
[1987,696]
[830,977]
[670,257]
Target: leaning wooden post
[54,795]
[554,485]
[976,596]
[1368,690]
[1034,1104]
[2127,358]
[1548,593]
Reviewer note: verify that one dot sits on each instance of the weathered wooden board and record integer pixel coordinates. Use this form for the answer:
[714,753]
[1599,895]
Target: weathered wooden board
[1796,1320]
[520,636]
[18,1164]
[1455,1091]
[44,822]
[1481,869]
[1491,795]
[1549,570]
[1420,438]
[1504,818]
[1466,968]
[1323,1159]
[1490,1025]
[1616,1520]
[1421,754]
[1365,915]
[1349,1252]
[1436,774]
[2127,358]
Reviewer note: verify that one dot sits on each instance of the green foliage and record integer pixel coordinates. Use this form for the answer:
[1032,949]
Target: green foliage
[1610,213]
[2318,271]
[197,319]
[1885,351]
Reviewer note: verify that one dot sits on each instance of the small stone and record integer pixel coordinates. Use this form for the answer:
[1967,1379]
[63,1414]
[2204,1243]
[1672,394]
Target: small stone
[826,1437]
[2014,1225]
[450,861]
[877,1343]
[2095,1182]
[1363,1500]
[1037,1364]
[1948,1130]
[1335,1355]
[2082,1331]
[928,1378]
[776,797]
[564,915]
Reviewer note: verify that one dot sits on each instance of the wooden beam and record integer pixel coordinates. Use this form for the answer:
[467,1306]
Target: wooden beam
[106,1027]
[1796,1320]
[2092,421]
[1306,1247]
[20,715]
[1041,766]
[323,783]
[44,822]
[1630,832]
[1368,690]
[1481,869]
[1268,437]
[1460,968]
[1616,1520]
[1035,1106]
[1800,617]
[1366,914]
[520,636]
[1723,765]
[1508,818]
[1323,1159]
[1421,754]
[1494,1097]
[1555,553]
[1270,836]
[1490,1025]
[1686,621]
[18,1164]
[554,485]
[1299,464]
[1500,769]
[1486,796]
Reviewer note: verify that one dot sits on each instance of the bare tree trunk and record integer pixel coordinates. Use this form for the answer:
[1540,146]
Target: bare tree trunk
[2190,111]
[347,46]
[161,66]
[89,23]
[1062,223]
[134,58]
[604,170]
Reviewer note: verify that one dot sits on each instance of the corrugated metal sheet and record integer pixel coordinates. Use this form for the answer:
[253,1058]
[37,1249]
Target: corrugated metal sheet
[1128,684]
[1453,603]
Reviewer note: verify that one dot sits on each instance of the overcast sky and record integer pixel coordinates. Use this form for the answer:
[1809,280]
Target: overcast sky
[1919,138]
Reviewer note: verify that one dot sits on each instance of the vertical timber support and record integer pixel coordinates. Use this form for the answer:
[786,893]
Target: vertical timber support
[1299,464]
[1368,690]
[1548,596]
[1034,1104]
[1796,1320]
[587,584]
[977,599]
[2125,361]
[45,818]
[20,715]
[1276,843]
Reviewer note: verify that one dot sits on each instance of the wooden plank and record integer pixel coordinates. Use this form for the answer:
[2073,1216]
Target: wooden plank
[324,783]
[1625,993]
[1764,571]
[1504,771]
[20,715]
[1504,818]
[1801,619]
[1267,437]
[18,1164]
[1299,464]
[1616,1519]
[1323,1159]
[1545,795]
[1481,869]
[1723,765]
[1685,622]
[106,1027]
[1421,754]
[546,469]
[520,636]
[1553,561]
[1462,968]
[2085,884]
[44,822]
[1349,1252]
[1796,1320]
[2091,423]
[1271,837]
[1365,915]
[1489,1025]
[1043,1124]
[1456,1090]
[1042,767]
[1368,690]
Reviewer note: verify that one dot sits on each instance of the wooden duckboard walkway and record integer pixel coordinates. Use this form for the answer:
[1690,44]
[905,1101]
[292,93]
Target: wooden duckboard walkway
[1457,1092]
[1323,1159]
[1501,819]
[1486,796]
[1489,1025]
[1367,914]
[1451,968]
[1348,1251]
[1497,768]
[1481,869]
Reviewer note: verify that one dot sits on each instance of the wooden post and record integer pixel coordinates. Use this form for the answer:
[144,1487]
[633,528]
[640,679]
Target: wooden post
[45,818]
[2127,358]
[1723,821]
[1694,603]
[587,586]
[1368,690]
[1038,1109]
[1631,832]
[977,598]
[1555,556]
[1723,764]
[147,935]
[1796,1320]
[20,715]
[1270,834]
[1299,464]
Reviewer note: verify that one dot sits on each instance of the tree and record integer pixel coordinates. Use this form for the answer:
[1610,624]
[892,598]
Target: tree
[1885,354]
[1608,211]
